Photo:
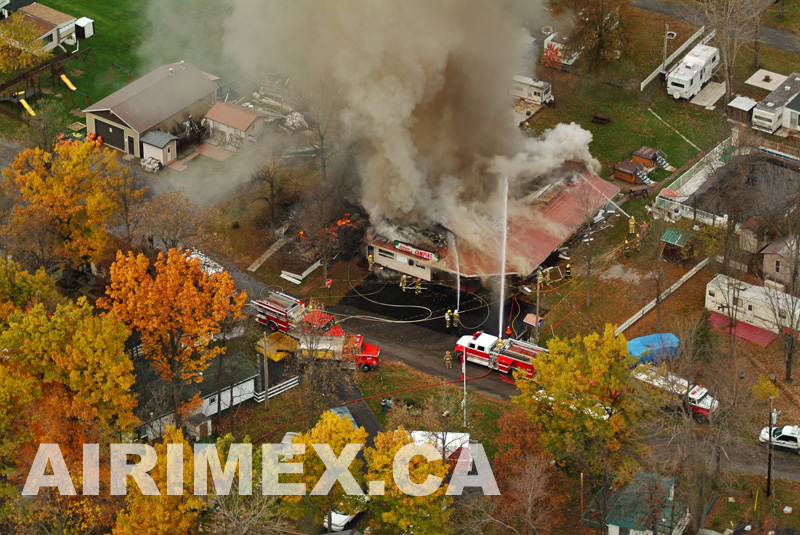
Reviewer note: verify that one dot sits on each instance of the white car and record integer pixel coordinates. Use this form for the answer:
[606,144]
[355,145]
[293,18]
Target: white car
[785,437]
[206,263]
[344,412]
[340,520]
[286,441]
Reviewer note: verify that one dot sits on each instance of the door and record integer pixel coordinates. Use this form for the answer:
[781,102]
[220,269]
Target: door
[130,145]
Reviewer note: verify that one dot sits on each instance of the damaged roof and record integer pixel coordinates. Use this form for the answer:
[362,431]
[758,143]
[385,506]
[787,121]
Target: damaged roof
[232,115]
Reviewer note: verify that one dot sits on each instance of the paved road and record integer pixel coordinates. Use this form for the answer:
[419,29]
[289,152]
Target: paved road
[770,36]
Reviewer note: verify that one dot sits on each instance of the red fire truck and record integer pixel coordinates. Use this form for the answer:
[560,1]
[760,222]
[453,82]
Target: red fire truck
[283,313]
[693,398]
[498,354]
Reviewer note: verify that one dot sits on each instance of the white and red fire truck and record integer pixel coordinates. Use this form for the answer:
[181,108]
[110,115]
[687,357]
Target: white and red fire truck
[286,314]
[693,398]
[498,354]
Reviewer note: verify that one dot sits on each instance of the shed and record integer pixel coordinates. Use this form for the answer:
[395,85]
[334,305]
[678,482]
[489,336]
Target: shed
[234,124]
[627,171]
[84,27]
[647,156]
[159,145]
[654,348]
[740,109]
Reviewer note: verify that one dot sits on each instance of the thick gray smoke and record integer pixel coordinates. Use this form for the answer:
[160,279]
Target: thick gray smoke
[423,88]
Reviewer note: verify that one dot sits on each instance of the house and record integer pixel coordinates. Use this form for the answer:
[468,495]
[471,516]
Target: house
[781,260]
[54,26]
[644,506]
[791,114]
[566,204]
[768,114]
[560,45]
[628,171]
[165,99]
[764,307]
[740,109]
[233,125]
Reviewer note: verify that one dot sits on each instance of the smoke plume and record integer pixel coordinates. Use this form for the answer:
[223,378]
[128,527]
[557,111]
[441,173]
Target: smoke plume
[422,87]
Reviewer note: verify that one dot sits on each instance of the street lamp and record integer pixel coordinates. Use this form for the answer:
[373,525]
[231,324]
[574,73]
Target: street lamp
[773,418]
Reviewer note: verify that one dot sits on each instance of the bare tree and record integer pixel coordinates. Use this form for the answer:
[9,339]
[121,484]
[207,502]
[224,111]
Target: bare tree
[128,193]
[175,221]
[760,8]
[320,103]
[525,509]
[439,416]
[733,23]
[273,174]
[44,129]
[652,256]
[254,514]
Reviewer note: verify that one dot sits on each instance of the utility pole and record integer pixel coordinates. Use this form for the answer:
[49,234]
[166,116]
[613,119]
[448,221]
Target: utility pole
[266,374]
[536,321]
[664,61]
[772,419]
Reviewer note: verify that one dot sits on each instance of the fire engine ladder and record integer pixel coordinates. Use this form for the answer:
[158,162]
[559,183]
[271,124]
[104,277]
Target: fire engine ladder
[520,351]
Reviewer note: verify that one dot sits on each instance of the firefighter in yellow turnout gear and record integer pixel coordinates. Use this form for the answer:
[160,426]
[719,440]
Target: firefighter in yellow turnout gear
[448,360]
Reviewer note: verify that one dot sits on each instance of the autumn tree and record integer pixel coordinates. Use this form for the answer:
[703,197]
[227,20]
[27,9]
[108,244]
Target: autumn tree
[581,400]
[63,206]
[44,129]
[394,510]
[20,46]
[338,434]
[68,382]
[151,514]
[176,308]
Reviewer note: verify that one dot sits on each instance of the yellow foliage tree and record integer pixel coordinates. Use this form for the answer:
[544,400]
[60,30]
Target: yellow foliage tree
[19,289]
[20,46]
[176,308]
[64,202]
[67,378]
[583,403]
[155,515]
[396,510]
[337,433]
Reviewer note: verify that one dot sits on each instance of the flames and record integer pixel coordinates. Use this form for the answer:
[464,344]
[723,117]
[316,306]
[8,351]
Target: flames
[333,230]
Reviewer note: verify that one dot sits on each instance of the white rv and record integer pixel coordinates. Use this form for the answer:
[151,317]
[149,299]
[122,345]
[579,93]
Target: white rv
[769,114]
[531,90]
[693,71]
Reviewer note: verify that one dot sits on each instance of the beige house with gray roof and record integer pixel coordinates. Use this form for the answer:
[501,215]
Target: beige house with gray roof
[161,100]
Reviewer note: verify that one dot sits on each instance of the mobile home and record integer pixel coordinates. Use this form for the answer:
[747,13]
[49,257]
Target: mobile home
[768,114]
[693,71]
[531,90]
[760,306]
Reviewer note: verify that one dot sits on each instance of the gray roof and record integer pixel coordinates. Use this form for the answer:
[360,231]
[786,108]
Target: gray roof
[156,138]
[157,95]
[794,104]
[742,103]
[781,96]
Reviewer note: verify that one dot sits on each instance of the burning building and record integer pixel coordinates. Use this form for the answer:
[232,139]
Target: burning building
[540,223]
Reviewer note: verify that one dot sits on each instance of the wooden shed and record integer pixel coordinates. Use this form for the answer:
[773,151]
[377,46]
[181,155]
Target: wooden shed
[740,109]
[627,171]
[647,156]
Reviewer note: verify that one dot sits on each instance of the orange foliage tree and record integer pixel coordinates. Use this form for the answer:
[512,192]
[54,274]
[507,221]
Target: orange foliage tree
[63,201]
[66,379]
[20,46]
[176,308]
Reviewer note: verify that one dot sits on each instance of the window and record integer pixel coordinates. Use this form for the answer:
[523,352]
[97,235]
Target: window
[237,131]
[676,84]
[737,301]
[782,314]
[749,308]
[169,150]
[386,254]
[711,293]
[410,262]
[789,438]
[777,266]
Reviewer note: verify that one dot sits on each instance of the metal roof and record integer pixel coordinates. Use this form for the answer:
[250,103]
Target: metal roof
[781,96]
[232,115]
[675,237]
[157,138]
[157,95]
[742,103]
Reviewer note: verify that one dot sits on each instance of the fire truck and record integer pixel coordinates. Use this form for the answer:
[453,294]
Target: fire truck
[693,398]
[498,354]
[283,313]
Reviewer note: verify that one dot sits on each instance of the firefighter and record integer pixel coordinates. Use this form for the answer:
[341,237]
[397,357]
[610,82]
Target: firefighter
[371,262]
[418,286]
[568,272]
[627,249]
[455,318]
[403,282]
[448,360]
[447,316]
[632,225]
[547,277]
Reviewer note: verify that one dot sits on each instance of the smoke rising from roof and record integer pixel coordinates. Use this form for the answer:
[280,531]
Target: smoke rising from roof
[423,88]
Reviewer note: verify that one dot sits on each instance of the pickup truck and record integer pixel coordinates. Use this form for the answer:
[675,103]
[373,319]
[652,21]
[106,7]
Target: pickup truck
[349,349]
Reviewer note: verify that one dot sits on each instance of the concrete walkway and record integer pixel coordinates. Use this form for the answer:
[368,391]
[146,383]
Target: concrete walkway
[269,252]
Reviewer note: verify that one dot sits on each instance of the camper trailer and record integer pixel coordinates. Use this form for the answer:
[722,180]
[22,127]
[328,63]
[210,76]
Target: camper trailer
[694,70]
[531,90]
[768,114]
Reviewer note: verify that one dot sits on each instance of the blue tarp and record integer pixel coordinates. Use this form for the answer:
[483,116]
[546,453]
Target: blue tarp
[654,348]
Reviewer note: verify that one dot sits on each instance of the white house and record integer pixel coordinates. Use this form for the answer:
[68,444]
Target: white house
[54,26]
[760,306]
[768,114]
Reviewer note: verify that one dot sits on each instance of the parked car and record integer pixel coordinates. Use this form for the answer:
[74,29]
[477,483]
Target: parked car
[340,520]
[344,412]
[286,441]
[786,437]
